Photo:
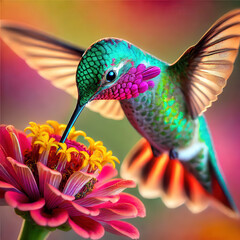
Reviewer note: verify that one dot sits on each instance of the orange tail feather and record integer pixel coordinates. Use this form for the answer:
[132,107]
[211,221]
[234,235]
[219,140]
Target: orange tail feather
[170,180]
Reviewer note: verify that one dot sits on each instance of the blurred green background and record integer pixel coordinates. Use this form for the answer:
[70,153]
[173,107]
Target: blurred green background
[163,28]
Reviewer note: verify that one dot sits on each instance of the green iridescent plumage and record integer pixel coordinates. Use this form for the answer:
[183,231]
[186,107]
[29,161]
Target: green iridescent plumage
[161,115]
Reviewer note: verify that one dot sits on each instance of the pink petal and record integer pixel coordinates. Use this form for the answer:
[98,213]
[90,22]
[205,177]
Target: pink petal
[75,182]
[3,154]
[74,209]
[6,141]
[23,141]
[122,228]
[25,178]
[93,201]
[117,211]
[8,177]
[14,144]
[107,172]
[54,197]
[111,182]
[86,227]
[17,149]
[22,202]
[112,187]
[7,172]
[47,175]
[56,218]
[93,211]
[128,198]
[4,187]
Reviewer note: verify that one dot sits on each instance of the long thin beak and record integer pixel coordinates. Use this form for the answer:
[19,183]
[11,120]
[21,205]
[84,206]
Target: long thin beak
[73,119]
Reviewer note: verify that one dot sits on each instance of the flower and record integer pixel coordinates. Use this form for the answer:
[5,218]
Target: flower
[64,185]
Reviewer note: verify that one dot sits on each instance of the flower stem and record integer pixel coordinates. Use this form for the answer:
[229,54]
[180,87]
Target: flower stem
[30,231]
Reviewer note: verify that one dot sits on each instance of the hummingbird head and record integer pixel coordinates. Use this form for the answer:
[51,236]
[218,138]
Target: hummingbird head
[111,69]
[101,67]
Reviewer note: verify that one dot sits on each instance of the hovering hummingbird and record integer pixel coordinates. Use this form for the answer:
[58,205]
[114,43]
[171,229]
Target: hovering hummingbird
[163,102]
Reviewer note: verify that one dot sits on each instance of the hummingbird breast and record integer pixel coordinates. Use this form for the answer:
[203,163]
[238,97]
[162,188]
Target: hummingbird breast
[160,115]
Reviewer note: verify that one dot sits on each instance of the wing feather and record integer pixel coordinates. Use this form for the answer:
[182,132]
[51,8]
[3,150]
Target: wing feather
[54,60]
[107,108]
[205,67]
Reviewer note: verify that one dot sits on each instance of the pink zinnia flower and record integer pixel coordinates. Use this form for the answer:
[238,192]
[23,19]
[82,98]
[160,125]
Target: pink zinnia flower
[64,185]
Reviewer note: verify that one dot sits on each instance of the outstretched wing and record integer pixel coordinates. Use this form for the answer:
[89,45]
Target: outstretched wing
[54,59]
[202,71]
[107,108]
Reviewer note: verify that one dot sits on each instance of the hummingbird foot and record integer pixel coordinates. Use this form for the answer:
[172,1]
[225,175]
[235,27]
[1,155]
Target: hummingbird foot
[156,152]
[173,154]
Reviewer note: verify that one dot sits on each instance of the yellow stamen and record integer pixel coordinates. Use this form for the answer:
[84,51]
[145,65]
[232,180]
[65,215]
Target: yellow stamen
[91,142]
[75,134]
[34,128]
[66,151]
[57,128]
[63,147]
[115,159]
[99,156]
[86,155]
[45,146]
[45,143]
[37,131]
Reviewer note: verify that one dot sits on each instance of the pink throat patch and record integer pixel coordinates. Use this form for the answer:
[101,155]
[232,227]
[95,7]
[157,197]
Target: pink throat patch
[131,84]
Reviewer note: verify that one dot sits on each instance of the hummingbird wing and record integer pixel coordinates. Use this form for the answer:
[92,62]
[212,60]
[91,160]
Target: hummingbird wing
[107,108]
[203,69]
[55,60]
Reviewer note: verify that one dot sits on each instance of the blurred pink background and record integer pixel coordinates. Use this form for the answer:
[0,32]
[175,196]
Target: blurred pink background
[163,28]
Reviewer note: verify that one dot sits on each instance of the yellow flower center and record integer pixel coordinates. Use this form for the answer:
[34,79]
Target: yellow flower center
[71,154]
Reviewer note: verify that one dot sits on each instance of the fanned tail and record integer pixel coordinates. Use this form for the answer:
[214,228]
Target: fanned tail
[170,180]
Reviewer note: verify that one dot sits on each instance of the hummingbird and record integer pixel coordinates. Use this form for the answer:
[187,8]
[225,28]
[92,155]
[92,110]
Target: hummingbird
[175,159]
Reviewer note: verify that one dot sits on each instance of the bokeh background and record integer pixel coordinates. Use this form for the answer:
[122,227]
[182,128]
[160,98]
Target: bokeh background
[163,28]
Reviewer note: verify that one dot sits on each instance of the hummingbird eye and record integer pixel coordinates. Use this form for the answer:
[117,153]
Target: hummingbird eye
[111,76]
